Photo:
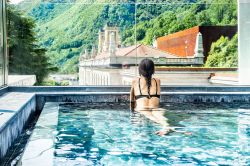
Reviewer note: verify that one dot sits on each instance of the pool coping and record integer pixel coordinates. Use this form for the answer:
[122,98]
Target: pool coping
[38,150]
[14,117]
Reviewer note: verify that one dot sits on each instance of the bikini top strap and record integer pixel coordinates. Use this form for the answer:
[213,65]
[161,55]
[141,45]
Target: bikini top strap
[140,85]
[156,86]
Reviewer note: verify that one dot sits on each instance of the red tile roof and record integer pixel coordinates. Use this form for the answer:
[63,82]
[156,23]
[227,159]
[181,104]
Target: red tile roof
[139,50]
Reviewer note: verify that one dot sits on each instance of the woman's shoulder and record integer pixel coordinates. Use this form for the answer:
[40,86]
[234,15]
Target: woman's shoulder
[135,80]
[157,79]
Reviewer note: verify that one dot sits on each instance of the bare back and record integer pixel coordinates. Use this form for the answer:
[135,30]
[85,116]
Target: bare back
[139,88]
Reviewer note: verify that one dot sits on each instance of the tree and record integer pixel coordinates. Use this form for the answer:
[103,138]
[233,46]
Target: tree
[171,20]
[223,53]
[25,56]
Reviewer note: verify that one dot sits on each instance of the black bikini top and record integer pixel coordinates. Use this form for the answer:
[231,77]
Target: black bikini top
[147,96]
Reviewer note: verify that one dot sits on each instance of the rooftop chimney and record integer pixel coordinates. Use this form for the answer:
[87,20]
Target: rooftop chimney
[199,51]
[112,44]
[93,52]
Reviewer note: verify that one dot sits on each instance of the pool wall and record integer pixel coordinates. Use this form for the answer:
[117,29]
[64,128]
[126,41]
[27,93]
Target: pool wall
[32,99]
[3,90]
[175,97]
[88,94]
[15,110]
[181,88]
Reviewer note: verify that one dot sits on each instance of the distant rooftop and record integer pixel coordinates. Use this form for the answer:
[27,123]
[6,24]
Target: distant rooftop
[183,43]
[139,50]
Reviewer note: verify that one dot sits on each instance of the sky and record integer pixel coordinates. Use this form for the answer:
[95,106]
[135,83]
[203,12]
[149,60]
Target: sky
[15,1]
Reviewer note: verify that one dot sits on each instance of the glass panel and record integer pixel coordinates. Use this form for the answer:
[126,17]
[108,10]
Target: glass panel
[102,42]
[190,43]
[80,37]
[106,63]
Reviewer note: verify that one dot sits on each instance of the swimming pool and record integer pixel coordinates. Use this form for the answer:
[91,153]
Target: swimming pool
[109,134]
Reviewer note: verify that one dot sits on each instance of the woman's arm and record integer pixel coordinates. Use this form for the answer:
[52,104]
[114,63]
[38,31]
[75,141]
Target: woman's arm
[159,85]
[158,117]
[162,120]
[132,97]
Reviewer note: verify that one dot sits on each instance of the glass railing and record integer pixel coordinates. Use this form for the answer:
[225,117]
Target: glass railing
[102,42]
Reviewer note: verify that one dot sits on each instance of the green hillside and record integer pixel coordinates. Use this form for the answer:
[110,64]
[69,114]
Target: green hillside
[220,12]
[65,30]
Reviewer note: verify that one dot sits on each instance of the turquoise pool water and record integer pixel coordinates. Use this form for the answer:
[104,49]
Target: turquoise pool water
[110,134]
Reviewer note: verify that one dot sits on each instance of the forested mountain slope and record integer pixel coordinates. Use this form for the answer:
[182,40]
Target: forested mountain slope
[66,29]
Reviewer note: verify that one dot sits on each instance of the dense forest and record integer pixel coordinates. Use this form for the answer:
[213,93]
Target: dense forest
[223,53]
[220,12]
[65,30]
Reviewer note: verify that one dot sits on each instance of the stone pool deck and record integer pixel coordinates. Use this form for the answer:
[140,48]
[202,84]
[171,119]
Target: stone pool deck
[40,147]
[17,103]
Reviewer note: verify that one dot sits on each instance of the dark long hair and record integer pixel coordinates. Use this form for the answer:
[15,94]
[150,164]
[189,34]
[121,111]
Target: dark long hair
[147,69]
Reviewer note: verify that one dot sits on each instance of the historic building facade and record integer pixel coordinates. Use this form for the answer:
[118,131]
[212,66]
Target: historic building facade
[111,54]
[112,64]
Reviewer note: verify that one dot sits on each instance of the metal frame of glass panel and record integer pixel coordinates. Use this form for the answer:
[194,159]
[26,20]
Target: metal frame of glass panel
[244,41]
[3,36]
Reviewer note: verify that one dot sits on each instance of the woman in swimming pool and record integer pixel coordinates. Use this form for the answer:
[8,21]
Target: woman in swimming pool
[145,96]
